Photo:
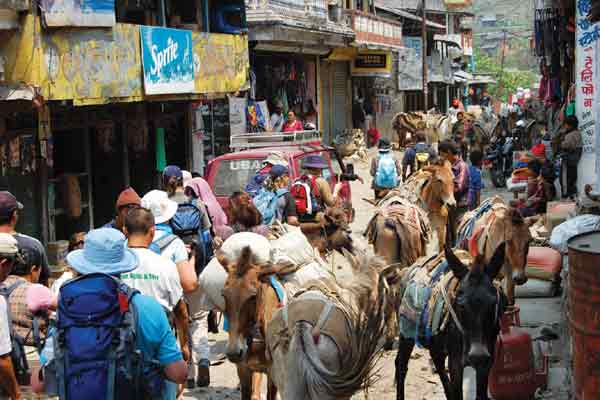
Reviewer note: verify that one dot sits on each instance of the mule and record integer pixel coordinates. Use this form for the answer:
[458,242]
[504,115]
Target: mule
[250,302]
[325,342]
[494,222]
[469,336]
[335,234]
[433,187]
[399,232]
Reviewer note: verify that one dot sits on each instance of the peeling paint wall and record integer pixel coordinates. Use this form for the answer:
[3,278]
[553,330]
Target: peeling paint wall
[96,66]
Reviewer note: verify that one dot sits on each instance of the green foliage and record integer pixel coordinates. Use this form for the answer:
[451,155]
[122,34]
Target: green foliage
[507,81]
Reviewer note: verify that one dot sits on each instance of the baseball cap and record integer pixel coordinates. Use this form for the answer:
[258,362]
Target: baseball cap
[278,170]
[8,204]
[128,197]
[172,171]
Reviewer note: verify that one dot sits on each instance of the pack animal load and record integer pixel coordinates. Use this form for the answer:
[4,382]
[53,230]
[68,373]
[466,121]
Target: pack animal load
[409,223]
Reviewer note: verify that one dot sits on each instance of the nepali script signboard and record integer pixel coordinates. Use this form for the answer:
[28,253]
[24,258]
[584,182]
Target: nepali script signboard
[168,60]
[84,13]
[410,65]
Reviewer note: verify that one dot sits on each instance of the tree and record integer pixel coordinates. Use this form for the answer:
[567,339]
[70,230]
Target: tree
[507,81]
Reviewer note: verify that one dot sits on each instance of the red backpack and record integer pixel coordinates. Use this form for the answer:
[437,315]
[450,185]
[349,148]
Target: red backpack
[306,194]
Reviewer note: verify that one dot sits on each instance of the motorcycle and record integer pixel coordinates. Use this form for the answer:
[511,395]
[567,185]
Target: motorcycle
[499,159]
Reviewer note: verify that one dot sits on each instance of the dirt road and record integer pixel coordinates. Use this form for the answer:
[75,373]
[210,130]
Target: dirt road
[421,383]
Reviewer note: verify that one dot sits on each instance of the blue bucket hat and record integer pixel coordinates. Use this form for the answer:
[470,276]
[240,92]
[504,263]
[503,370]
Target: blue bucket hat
[104,251]
[315,161]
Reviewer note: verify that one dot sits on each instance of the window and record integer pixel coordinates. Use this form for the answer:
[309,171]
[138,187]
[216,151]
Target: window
[233,175]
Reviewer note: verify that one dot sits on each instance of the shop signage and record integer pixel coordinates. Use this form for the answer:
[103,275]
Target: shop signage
[373,63]
[168,60]
[88,13]
[586,71]
[410,65]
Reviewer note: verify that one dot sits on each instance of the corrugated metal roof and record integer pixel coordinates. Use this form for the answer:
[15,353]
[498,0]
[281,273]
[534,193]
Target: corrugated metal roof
[430,5]
[391,7]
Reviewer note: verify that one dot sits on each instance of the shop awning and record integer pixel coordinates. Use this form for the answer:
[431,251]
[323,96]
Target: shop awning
[451,40]
[407,15]
[462,76]
[481,80]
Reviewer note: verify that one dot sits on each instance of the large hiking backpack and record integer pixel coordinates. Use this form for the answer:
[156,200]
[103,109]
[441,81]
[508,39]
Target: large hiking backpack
[421,156]
[187,224]
[306,194]
[387,173]
[18,354]
[266,203]
[95,351]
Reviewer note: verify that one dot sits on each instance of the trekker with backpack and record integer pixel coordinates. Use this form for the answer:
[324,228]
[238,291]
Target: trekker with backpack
[27,328]
[274,201]
[8,380]
[110,341]
[417,156]
[155,276]
[385,170]
[191,222]
[165,242]
[257,181]
[312,194]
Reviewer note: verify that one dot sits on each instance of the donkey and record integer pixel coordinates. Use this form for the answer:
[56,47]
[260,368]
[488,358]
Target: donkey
[493,223]
[434,188]
[324,344]
[251,302]
[470,335]
[399,232]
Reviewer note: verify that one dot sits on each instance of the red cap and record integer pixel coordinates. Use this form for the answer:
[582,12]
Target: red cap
[128,197]
[539,150]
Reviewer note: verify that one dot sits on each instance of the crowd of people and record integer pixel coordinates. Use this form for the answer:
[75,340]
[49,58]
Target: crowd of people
[155,249]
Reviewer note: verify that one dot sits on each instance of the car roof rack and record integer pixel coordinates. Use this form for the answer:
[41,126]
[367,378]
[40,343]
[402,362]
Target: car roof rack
[246,141]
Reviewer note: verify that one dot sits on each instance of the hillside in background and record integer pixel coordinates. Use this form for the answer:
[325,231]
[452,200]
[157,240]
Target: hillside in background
[493,19]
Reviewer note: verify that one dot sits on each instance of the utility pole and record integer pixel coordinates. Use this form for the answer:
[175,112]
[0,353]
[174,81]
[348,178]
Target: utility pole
[503,55]
[424,52]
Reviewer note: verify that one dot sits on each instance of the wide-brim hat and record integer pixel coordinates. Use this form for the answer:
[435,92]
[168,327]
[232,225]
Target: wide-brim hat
[315,161]
[159,204]
[105,252]
[276,158]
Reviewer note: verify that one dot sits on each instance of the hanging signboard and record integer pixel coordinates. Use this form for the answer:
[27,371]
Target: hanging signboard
[168,60]
[87,13]
[372,63]
[410,65]
[587,36]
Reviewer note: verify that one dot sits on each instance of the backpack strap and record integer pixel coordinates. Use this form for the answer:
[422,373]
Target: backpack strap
[6,291]
[164,242]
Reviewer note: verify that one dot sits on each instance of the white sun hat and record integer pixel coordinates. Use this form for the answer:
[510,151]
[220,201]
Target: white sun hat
[160,206]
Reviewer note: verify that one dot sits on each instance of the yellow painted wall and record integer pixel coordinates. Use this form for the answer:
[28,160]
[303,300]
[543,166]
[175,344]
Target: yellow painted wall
[95,66]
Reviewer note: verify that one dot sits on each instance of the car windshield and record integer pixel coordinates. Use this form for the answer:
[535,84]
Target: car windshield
[233,175]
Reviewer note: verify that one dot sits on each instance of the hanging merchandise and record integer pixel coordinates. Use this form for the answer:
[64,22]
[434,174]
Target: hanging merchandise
[27,154]
[3,159]
[237,115]
[70,191]
[105,136]
[137,137]
[14,152]
[256,120]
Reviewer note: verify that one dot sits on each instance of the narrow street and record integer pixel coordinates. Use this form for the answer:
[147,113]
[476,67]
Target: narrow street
[421,383]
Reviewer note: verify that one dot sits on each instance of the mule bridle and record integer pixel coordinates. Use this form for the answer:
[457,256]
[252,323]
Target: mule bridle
[455,319]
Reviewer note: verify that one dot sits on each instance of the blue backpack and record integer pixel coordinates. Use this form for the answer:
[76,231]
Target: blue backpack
[187,225]
[255,185]
[266,202]
[95,351]
[387,174]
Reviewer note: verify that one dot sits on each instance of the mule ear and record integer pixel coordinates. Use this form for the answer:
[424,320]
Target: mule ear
[459,269]
[497,262]
[223,260]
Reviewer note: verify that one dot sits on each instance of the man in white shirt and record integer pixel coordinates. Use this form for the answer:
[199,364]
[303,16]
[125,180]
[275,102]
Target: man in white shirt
[155,276]
[8,381]
[165,242]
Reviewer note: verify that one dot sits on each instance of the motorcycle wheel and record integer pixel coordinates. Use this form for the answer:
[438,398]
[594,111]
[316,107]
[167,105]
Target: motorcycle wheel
[498,178]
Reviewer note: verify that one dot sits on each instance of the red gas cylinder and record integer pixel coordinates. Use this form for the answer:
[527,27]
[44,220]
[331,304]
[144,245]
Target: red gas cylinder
[515,374]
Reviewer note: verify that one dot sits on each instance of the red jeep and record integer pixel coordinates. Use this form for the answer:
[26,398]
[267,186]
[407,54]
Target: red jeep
[231,172]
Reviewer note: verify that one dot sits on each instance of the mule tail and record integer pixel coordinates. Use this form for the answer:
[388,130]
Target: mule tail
[357,366]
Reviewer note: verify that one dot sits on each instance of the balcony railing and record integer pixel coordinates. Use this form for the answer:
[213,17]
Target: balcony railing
[309,9]
[375,30]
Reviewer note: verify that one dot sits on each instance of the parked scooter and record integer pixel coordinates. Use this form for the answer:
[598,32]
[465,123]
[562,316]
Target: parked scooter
[499,159]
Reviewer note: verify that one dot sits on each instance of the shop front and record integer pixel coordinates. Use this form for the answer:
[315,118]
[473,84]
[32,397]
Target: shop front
[101,119]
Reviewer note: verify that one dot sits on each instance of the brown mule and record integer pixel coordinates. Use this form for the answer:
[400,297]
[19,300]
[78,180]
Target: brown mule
[335,234]
[250,302]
